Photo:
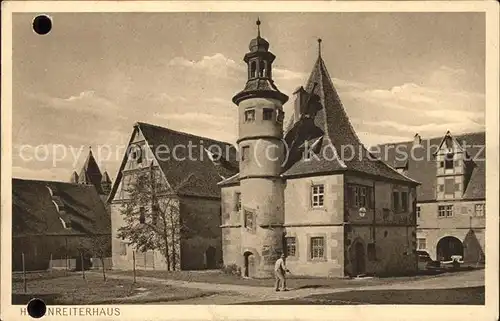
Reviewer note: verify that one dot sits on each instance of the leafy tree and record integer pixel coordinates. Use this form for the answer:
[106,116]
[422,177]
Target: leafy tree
[151,215]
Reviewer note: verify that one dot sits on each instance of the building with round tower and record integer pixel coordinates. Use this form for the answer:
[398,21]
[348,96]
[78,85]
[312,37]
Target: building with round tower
[260,141]
[298,193]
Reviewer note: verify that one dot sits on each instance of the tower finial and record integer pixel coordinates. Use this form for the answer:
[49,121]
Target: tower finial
[319,46]
[258,26]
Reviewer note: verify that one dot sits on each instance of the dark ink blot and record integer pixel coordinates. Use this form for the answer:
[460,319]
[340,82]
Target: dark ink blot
[42,25]
[36,308]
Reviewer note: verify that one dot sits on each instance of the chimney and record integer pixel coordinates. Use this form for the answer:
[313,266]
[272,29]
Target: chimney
[417,140]
[300,102]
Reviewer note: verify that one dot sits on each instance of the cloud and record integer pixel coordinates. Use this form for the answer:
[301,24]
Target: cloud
[411,108]
[216,65]
[209,119]
[86,101]
[370,139]
[220,65]
[52,174]
[170,98]
[206,62]
[425,129]
[218,100]
[285,74]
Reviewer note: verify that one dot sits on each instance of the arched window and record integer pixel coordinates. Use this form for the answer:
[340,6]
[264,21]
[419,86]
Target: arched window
[253,69]
[262,68]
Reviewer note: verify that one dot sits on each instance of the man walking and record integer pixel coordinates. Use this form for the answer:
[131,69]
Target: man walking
[279,272]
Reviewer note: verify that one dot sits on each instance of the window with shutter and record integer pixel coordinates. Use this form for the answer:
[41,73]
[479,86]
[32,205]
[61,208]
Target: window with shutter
[404,201]
[395,201]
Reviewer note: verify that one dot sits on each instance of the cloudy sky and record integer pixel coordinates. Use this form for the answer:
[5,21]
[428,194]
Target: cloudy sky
[94,75]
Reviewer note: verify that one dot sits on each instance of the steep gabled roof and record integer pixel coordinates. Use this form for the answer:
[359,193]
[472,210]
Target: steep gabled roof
[422,165]
[196,161]
[105,178]
[74,177]
[339,138]
[90,173]
[36,211]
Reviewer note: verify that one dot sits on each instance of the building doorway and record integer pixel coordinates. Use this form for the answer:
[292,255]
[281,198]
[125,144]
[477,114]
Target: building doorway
[358,258]
[210,257]
[249,264]
[448,246]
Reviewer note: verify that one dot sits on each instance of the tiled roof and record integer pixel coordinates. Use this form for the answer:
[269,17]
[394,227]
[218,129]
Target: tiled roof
[203,171]
[422,165]
[332,124]
[90,173]
[260,87]
[34,211]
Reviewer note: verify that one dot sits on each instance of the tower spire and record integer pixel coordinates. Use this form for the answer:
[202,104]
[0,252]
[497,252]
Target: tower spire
[258,26]
[319,47]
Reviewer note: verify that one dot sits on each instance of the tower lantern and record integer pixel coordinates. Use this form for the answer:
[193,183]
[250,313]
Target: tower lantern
[259,61]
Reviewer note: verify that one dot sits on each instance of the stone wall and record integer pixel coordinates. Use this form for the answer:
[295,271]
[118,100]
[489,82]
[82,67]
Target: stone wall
[330,265]
[386,235]
[464,224]
[304,222]
[202,218]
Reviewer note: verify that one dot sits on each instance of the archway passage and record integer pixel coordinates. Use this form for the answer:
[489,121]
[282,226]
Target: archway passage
[210,256]
[448,246]
[358,258]
[248,269]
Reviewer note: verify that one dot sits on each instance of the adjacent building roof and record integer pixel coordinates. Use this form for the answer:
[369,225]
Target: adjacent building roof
[45,207]
[339,148]
[90,173]
[203,166]
[422,165]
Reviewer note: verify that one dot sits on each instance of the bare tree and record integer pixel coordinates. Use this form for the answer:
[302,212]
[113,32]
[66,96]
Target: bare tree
[100,245]
[152,215]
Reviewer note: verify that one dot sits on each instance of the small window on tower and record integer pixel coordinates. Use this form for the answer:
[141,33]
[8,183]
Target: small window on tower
[237,205]
[245,150]
[249,115]
[267,114]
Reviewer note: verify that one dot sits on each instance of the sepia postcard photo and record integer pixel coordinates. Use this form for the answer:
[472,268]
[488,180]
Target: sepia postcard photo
[300,160]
